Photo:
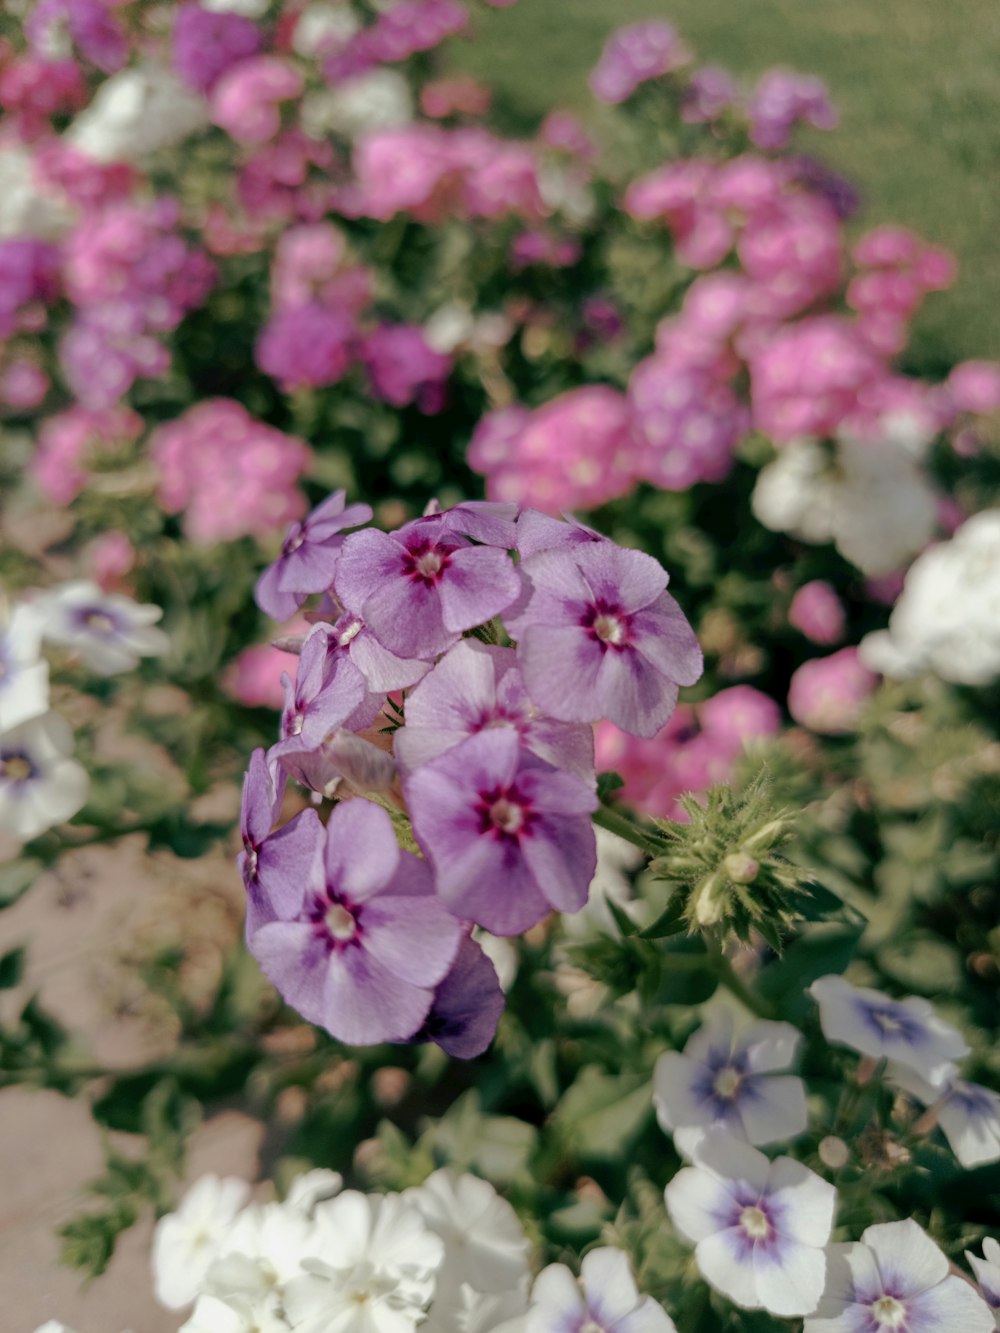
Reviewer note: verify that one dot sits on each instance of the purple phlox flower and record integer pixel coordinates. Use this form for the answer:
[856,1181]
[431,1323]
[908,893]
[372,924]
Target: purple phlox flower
[783,97]
[634,54]
[341,764]
[968,1113]
[308,556]
[306,347]
[275,866]
[383,671]
[208,42]
[758,1227]
[467,1005]
[417,591]
[727,1080]
[508,836]
[987,1271]
[897,1279]
[328,691]
[606,1300]
[84,24]
[474,688]
[370,941]
[541,532]
[489,522]
[907,1031]
[599,637]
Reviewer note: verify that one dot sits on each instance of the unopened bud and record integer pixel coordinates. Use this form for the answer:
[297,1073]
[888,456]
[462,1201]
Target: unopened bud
[710,901]
[741,867]
[834,1152]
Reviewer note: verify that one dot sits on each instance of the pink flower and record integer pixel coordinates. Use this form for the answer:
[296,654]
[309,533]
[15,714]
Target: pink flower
[110,557]
[70,442]
[633,55]
[792,253]
[781,99]
[399,170]
[403,368]
[253,677]
[827,694]
[306,346]
[710,92]
[23,384]
[680,195]
[460,95]
[818,612]
[974,386]
[247,98]
[229,474]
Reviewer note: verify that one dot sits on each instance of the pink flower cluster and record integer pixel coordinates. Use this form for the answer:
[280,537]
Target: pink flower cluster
[698,747]
[72,442]
[895,270]
[827,694]
[218,450]
[402,30]
[131,277]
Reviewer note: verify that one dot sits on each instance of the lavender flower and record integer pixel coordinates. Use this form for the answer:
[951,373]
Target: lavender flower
[727,1081]
[907,1031]
[467,1005]
[417,591]
[759,1227]
[275,866]
[541,532]
[633,55]
[489,522]
[507,835]
[896,1279]
[475,687]
[599,637]
[325,693]
[108,631]
[308,556]
[968,1113]
[370,940]
[609,1301]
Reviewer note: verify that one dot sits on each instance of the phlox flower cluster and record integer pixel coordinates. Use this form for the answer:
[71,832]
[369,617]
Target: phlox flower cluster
[488,753]
[448,1256]
[698,748]
[40,784]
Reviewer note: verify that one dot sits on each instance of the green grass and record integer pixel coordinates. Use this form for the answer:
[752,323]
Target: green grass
[917,83]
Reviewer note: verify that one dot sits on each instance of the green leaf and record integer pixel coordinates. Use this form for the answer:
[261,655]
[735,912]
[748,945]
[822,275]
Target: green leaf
[608,784]
[622,919]
[669,922]
[600,1113]
[11,968]
[824,948]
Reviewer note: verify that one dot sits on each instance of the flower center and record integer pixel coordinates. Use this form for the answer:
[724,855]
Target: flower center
[427,562]
[610,629]
[292,543]
[16,767]
[350,631]
[99,621]
[295,724]
[250,864]
[428,565]
[591,1327]
[754,1222]
[727,1083]
[888,1312]
[507,816]
[889,1023]
[340,923]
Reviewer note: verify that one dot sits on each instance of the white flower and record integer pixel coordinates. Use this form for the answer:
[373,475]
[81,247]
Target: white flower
[759,1227]
[870,498]
[250,9]
[968,1113]
[605,1301]
[261,1252]
[186,1242]
[323,27]
[484,1243]
[238,1315]
[728,1081]
[110,632]
[896,1279]
[39,785]
[312,1188]
[470,1311]
[987,1271]
[24,677]
[377,100]
[134,113]
[907,1031]
[947,619]
[377,1270]
[502,953]
[26,209]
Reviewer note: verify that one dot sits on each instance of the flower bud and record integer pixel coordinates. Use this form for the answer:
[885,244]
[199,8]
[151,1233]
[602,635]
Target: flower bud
[741,867]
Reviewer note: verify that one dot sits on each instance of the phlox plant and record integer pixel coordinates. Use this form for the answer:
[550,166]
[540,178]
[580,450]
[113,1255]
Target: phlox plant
[587,603]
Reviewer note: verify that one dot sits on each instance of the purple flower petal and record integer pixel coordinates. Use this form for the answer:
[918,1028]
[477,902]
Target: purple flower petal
[467,1005]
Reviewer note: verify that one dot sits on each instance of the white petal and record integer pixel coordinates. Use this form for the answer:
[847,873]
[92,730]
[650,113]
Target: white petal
[721,1263]
[907,1258]
[790,1278]
[699,1203]
[806,1202]
[773,1108]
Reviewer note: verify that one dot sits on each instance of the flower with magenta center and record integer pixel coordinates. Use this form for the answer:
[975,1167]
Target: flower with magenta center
[370,940]
[308,556]
[507,835]
[599,637]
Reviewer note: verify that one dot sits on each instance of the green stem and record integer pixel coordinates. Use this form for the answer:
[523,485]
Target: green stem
[729,978]
[606,818]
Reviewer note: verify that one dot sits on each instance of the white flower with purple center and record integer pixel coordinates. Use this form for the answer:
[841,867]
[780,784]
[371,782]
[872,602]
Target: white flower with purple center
[987,1271]
[370,940]
[308,556]
[24,678]
[40,786]
[725,1080]
[476,688]
[968,1114]
[598,636]
[509,837]
[109,632]
[605,1300]
[907,1031]
[759,1228]
[419,589]
[896,1281]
